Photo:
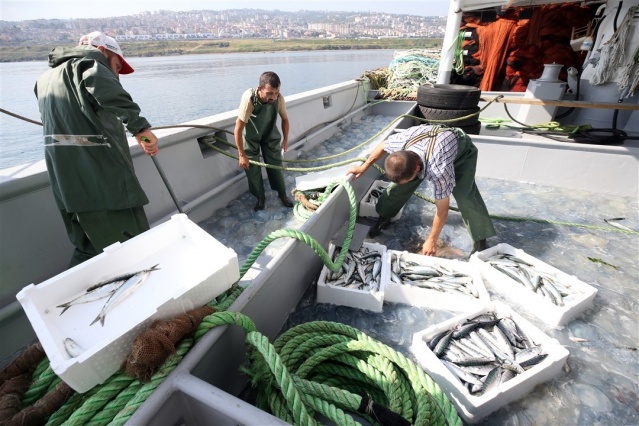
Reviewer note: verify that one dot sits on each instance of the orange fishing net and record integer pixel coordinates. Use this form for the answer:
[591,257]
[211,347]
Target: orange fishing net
[151,348]
[493,42]
[512,51]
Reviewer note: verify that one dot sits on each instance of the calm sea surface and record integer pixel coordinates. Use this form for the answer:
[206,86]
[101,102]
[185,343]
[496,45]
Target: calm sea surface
[172,90]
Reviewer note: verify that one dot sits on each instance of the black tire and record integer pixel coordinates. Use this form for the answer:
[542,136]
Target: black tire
[450,114]
[473,129]
[448,96]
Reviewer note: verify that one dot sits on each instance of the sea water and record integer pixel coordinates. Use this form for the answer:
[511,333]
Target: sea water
[599,383]
[175,89]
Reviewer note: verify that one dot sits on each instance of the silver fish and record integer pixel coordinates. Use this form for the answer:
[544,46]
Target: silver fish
[126,289]
[122,277]
[612,222]
[361,271]
[434,277]
[91,295]
[482,355]
[536,279]
[72,348]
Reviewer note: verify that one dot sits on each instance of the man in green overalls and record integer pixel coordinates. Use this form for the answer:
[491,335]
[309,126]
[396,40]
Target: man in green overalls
[447,158]
[83,107]
[256,130]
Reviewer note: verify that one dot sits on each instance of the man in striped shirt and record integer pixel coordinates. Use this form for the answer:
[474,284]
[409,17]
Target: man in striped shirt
[447,158]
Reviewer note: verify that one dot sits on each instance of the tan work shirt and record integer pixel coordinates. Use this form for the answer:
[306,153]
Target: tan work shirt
[246,106]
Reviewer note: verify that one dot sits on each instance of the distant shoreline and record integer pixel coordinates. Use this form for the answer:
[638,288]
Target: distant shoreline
[25,53]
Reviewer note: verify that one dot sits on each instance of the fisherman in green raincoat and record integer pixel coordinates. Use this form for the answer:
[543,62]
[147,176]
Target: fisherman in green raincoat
[256,130]
[447,158]
[83,106]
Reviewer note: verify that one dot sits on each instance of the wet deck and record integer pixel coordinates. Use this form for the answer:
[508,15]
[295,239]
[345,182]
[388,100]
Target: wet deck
[600,382]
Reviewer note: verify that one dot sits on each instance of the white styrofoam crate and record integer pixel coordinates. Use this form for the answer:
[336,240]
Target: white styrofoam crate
[428,298]
[370,300]
[474,408]
[531,302]
[321,179]
[367,209]
[194,268]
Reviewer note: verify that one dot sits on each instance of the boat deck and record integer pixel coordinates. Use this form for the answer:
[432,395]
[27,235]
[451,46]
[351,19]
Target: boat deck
[599,383]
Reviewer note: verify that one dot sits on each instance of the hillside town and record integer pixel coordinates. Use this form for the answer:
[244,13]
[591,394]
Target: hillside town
[224,24]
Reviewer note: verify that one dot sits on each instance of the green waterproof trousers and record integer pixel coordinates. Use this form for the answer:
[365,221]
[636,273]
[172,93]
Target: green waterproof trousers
[272,154]
[90,232]
[469,201]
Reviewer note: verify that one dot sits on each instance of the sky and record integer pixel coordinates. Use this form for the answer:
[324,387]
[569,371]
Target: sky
[18,10]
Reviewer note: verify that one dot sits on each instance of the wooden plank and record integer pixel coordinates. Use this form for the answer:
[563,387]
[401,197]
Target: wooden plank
[568,104]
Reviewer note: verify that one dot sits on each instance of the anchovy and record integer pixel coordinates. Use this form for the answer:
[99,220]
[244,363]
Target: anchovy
[126,289]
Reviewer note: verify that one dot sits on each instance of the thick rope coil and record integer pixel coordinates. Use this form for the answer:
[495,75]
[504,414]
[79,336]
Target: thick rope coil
[339,347]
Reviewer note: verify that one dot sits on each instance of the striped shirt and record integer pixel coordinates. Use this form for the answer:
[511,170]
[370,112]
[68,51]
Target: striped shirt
[440,170]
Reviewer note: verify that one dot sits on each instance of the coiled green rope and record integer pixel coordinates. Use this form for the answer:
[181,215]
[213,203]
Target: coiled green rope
[349,354]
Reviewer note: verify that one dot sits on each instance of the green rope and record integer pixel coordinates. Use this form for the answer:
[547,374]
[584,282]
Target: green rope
[67,409]
[217,319]
[302,213]
[99,400]
[330,401]
[342,351]
[458,61]
[310,241]
[110,410]
[44,379]
[226,299]
[282,378]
